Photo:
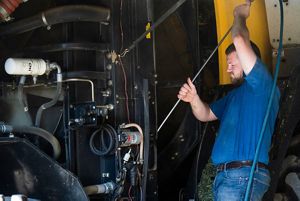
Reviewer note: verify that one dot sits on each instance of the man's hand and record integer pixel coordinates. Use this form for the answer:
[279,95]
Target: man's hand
[243,10]
[187,92]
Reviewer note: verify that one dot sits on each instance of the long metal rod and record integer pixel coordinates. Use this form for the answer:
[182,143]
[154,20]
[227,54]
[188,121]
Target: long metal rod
[210,56]
[158,22]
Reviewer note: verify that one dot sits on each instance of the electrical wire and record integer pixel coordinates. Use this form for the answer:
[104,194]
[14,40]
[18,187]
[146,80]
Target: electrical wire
[251,177]
[113,140]
[125,90]
[129,191]
[121,25]
[210,56]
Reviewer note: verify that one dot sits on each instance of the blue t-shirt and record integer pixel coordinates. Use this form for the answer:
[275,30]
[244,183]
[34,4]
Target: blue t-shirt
[241,113]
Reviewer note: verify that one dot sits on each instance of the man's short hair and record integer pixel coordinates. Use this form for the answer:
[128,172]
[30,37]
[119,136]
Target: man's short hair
[231,48]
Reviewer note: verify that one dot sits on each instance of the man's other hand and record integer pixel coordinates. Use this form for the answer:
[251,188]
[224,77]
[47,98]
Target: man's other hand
[187,92]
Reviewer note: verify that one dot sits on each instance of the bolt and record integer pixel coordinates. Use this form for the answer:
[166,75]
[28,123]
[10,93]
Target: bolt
[109,67]
[110,106]
[109,83]
[108,55]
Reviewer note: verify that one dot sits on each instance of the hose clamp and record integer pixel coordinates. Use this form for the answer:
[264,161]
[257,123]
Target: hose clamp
[45,21]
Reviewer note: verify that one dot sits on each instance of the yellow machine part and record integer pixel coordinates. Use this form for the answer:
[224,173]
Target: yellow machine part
[257,25]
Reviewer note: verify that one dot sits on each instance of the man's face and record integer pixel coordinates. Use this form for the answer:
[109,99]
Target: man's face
[234,68]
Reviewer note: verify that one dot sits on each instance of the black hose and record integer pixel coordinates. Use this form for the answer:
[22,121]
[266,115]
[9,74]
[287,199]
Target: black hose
[48,105]
[35,131]
[58,15]
[113,140]
[22,98]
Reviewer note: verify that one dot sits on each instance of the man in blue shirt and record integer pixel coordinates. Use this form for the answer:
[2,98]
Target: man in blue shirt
[241,113]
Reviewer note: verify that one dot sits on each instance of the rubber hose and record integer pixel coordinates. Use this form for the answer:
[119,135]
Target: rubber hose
[251,177]
[22,98]
[95,189]
[111,133]
[41,133]
[63,14]
[48,105]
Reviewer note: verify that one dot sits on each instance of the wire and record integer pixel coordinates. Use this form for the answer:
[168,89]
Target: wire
[251,177]
[129,190]
[210,56]
[121,25]
[125,90]
[113,140]
[57,124]
[141,193]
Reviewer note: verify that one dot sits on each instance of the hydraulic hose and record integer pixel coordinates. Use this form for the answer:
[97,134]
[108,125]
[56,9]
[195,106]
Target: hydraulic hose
[35,131]
[22,98]
[20,92]
[99,188]
[54,100]
[251,177]
[63,14]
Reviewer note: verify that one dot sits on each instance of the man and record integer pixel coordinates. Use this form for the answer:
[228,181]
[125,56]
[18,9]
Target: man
[241,113]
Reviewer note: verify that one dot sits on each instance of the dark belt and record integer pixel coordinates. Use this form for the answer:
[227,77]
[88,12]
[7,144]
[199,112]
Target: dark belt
[239,164]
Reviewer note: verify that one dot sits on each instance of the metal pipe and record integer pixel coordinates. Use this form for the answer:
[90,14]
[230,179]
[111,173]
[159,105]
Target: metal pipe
[83,80]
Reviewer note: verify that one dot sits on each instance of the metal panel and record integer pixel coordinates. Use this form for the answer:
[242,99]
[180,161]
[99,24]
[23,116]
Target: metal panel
[28,171]
[291,22]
